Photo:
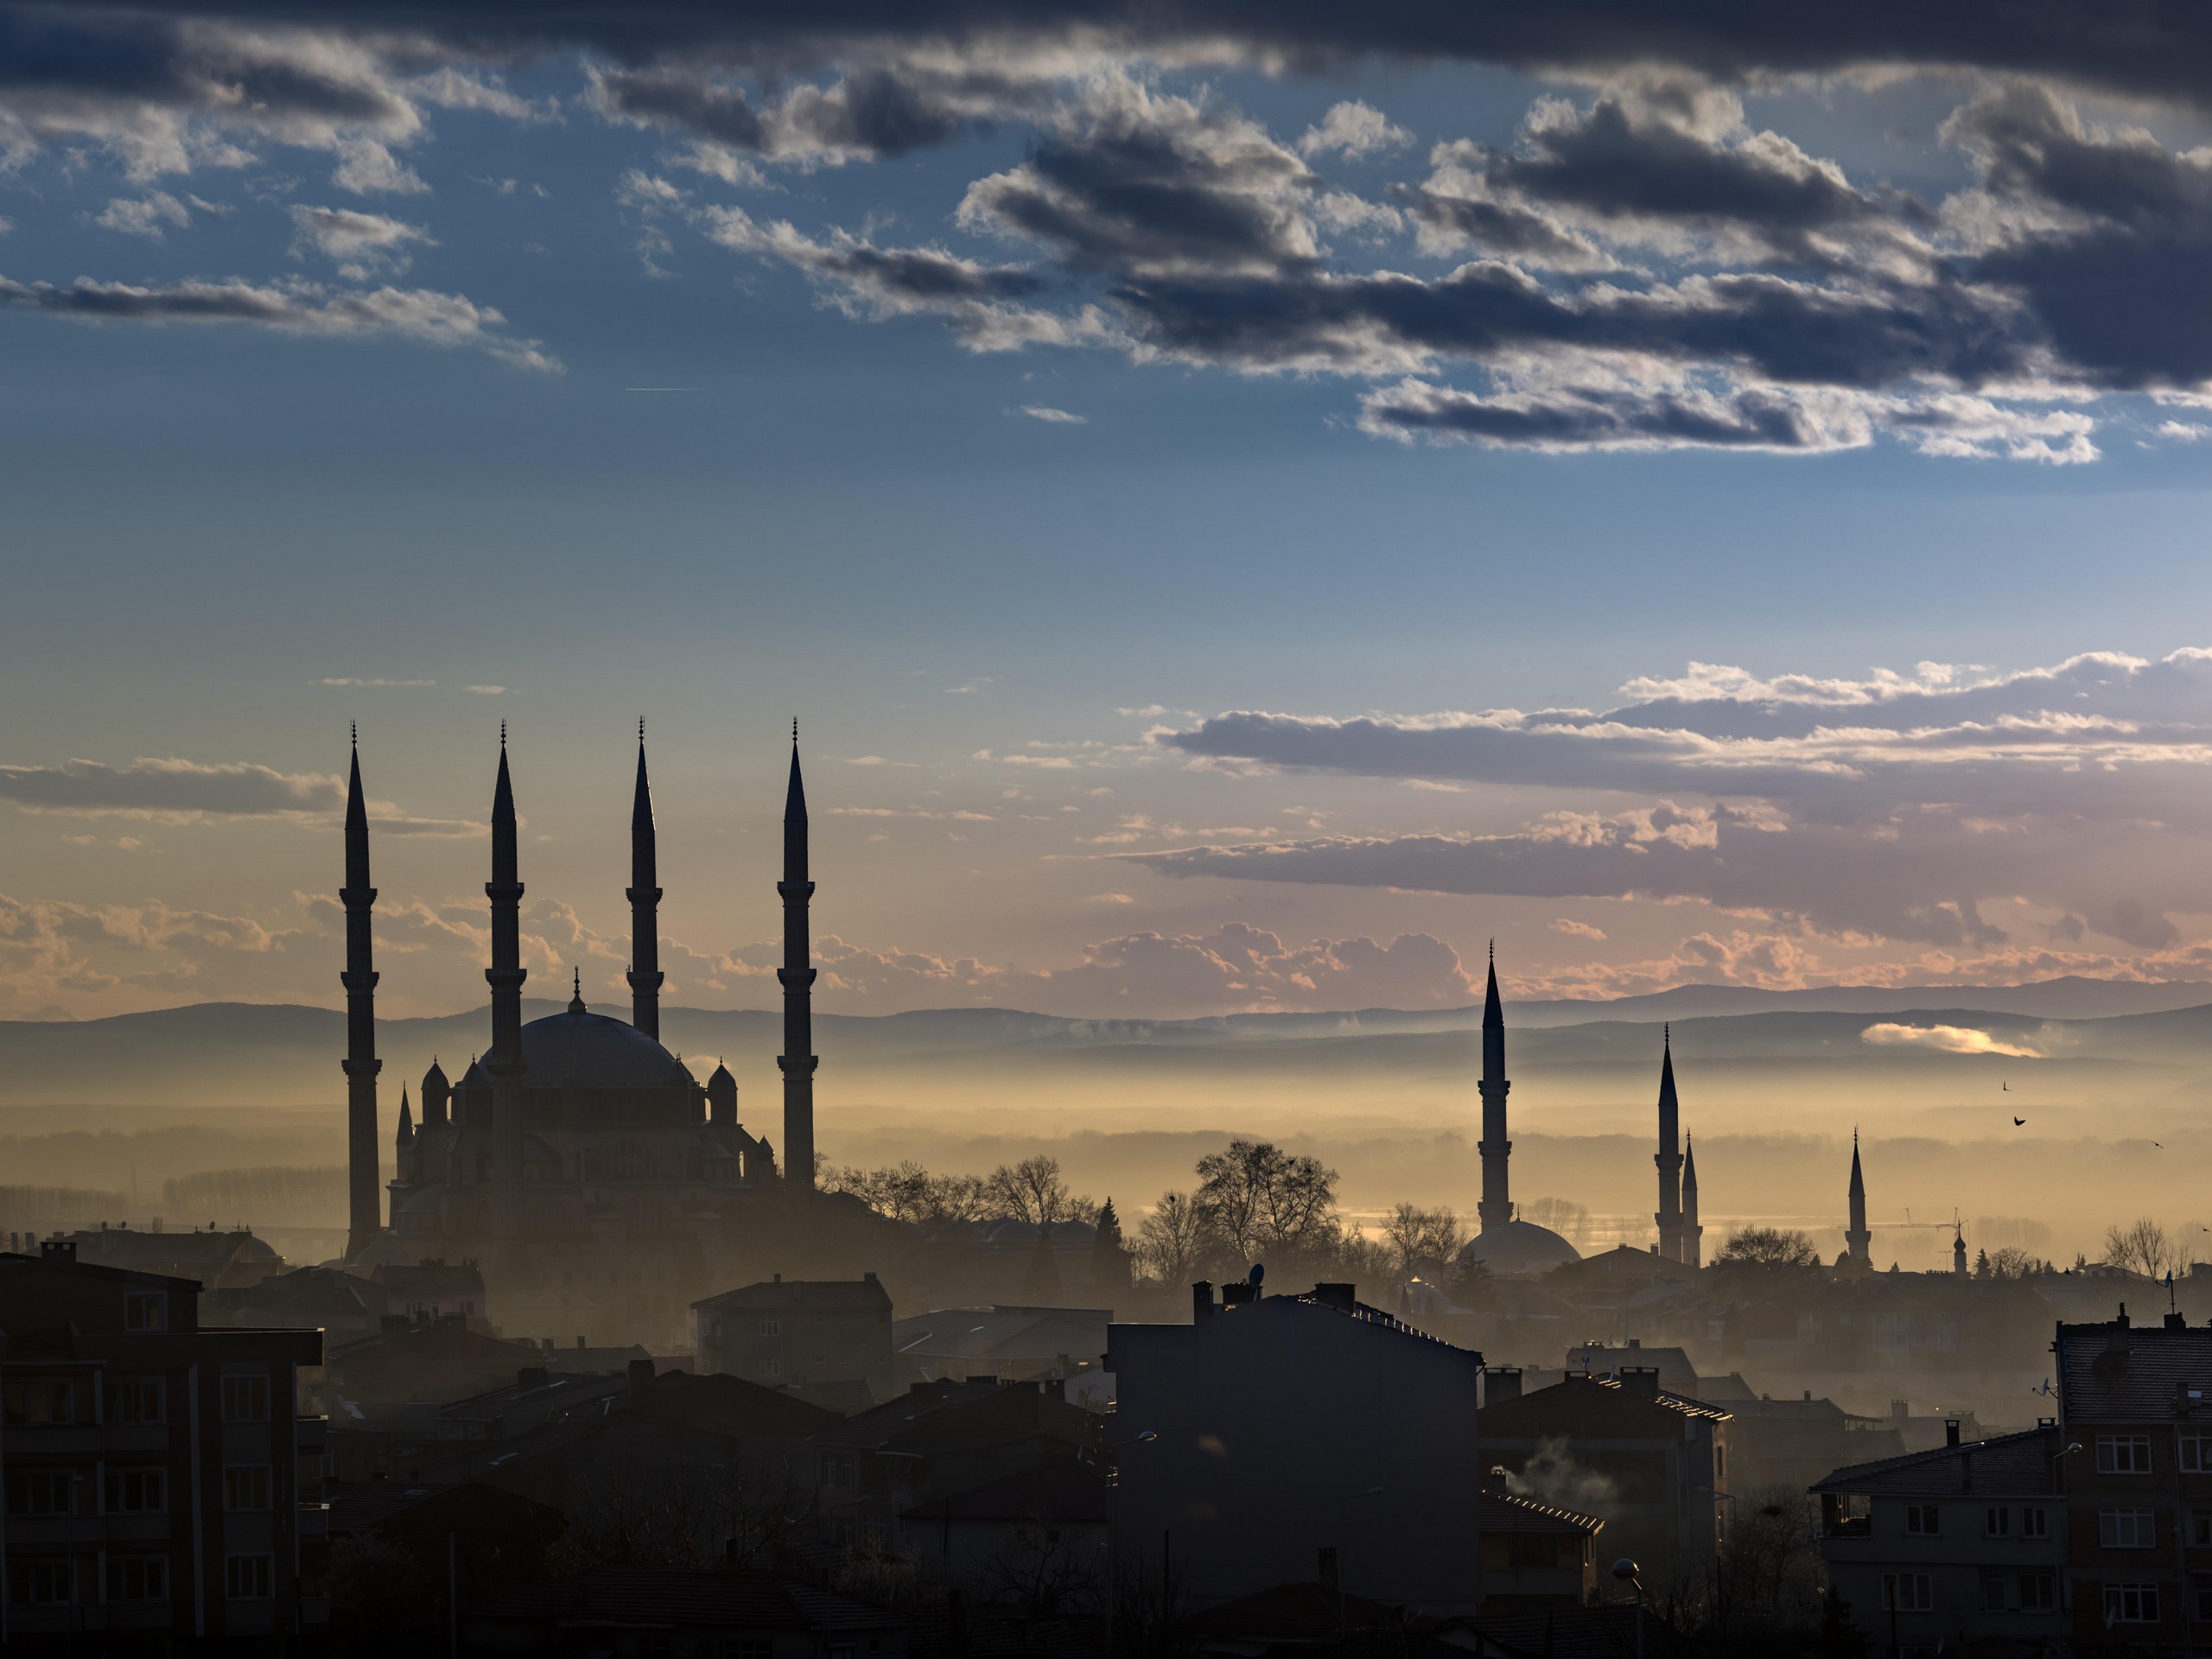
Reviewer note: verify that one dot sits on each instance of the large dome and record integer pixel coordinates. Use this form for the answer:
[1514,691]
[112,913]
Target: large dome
[1518,1247]
[576,1050]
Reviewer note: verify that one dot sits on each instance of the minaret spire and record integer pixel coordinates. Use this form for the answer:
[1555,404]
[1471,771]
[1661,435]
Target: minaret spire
[1856,1238]
[1669,1156]
[1692,1235]
[505,975]
[643,894]
[364,1208]
[797,1060]
[1495,1208]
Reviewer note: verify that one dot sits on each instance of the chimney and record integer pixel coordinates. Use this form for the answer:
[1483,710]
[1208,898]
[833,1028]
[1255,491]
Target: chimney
[868,1277]
[1328,1570]
[2122,1320]
[1636,1342]
[641,1377]
[531,1376]
[1950,1431]
[58,1249]
[1337,1296]
[1900,1410]
[1501,1384]
[2174,1322]
[1641,1380]
[1201,1300]
[1236,1295]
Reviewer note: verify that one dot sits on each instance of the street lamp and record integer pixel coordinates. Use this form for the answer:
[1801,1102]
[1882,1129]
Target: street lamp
[1625,1571]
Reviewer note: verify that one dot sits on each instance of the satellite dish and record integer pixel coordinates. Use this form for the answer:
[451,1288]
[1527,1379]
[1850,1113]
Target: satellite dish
[1259,1272]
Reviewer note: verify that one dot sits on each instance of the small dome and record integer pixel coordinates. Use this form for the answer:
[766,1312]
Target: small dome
[721,1076]
[435,1076]
[1009,1230]
[578,1050]
[1519,1246]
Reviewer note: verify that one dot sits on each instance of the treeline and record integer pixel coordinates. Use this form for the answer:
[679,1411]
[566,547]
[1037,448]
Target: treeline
[41,1209]
[1252,1202]
[273,1195]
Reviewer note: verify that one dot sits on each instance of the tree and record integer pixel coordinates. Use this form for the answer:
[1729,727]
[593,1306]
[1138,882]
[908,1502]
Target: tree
[1032,1191]
[1174,1243]
[1570,1220]
[1044,1571]
[2012,1263]
[1110,1257]
[2143,1247]
[1423,1241]
[1262,1201]
[1768,1247]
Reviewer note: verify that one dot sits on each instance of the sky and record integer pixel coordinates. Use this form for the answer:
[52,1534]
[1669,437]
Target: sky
[1247,505]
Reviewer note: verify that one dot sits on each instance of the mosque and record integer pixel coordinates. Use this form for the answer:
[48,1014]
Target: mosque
[1507,1244]
[578,1161]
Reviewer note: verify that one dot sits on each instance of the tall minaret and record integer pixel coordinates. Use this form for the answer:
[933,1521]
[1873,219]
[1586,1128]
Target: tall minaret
[644,975]
[797,1060]
[1669,1156]
[1856,1238]
[363,1206]
[1692,1235]
[1496,1206]
[505,975]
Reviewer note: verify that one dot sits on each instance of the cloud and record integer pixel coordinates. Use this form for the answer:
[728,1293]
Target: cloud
[419,315]
[485,690]
[368,168]
[1354,130]
[359,244]
[1052,416]
[1575,929]
[376,682]
[172,788]
[145,215]
[1945,1039]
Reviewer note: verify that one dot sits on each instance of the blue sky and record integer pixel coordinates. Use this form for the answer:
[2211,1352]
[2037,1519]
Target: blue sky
[220,531]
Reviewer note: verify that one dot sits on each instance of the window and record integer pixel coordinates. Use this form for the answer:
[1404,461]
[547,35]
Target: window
[2123,1455]
[245,1577]
[2200,1529]
[139,1400]
[245,1486]
[146,1310]
[137,1578]
[40,1583]
[771,1327]
[840,1472]
[2130,1603]
[28,1404]
[2197,1454]
[772,1368]
[1997,1522]
[2127,1528]
[1993,1594]
[136,1491]
[1908,1593]
[2034,1521]
[41,1491]
[246,1400]
[1920,1520]
[2038,1592]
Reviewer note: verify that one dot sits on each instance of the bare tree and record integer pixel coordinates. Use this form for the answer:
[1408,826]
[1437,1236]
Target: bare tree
[1423,1240]
[1263,1200]
[688,1515]
[1033,1191]
[1044,1569]
[1768,1247]
[2143,1246]
[1570,1220]
[1174,1244]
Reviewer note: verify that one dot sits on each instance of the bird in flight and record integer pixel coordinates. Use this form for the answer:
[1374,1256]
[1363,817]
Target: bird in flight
[2018,1121]
[2006,1087]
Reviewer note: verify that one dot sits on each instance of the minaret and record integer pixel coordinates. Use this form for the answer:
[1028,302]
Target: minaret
[504,1060]
[404,1137]
[1856,1238]
[1693,1249]
[1669,1156]
[1958,1248]
[1496,1206]
[797,1060]
[644,895]
[363,1207]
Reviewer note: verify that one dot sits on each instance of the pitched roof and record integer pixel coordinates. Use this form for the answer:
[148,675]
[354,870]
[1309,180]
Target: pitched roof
[1578,1398]
[2115,1372]
[802,1293]
[2012,1463]
[722,1402]
[1508,1512]
[1003,1332]
[937,1416]
[1061,1490]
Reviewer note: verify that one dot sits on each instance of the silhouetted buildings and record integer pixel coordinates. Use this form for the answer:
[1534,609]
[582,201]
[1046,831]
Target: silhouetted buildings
[1002,1341]
[1278,1440]
[157,1473]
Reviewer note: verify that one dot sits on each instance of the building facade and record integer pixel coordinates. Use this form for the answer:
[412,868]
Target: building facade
[799,1334]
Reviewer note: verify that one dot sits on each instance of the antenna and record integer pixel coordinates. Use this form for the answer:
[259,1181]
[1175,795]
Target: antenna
[503,733]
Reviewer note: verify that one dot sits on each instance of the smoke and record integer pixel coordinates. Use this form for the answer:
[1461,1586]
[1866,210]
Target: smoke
[1944,1040]
[1552,1476]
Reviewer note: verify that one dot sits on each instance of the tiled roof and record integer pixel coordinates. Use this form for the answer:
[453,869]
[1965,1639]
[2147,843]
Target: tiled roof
[940,1417]
[1508,1512]
[2116,1373]
[1543,1410]
[802,1293]
[971,1333]
[2012,1464]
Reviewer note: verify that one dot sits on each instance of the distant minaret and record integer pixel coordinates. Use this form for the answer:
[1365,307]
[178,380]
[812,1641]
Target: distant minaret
[363,1207]
[1692,1235]
[1856,1238]
[1669,1156]
[1958,1249]
[644,975]
[504,1060]
[797,1060]
[404,1137]
[1496,1206]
